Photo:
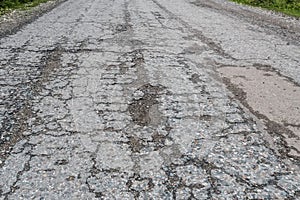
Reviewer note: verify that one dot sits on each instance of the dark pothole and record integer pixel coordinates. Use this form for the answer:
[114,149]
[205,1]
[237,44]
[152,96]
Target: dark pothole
[122,28]
[144,98]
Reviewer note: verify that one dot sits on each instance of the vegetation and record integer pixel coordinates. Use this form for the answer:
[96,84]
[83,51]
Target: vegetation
[7,5]
[290,7]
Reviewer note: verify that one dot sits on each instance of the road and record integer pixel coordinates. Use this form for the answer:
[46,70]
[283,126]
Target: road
[151,99]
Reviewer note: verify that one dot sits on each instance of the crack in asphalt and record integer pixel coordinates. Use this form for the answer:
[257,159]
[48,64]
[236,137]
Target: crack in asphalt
[274,24]
[123,101]
[197,34]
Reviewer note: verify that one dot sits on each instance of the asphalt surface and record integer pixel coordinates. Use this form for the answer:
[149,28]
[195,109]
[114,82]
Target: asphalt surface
[148,99]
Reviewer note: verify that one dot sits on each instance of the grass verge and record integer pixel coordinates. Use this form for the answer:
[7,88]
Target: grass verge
[289,7]
[9,5]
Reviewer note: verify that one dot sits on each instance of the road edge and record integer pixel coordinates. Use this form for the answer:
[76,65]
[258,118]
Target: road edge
[274,23]
[12,22]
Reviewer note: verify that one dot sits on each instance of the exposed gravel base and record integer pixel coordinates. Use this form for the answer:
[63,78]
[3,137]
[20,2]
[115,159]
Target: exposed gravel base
[13,21]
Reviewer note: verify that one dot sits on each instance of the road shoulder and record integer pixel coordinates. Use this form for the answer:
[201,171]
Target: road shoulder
[15,20]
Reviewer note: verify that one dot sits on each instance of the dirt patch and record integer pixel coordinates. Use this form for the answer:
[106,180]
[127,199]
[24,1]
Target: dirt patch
[272,98]
[145,98]
[14,131]
[135,143]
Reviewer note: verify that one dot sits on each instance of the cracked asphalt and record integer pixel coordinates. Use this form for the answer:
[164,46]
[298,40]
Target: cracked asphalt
[148,99]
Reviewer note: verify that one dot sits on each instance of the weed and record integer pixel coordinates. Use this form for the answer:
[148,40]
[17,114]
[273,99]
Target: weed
[289,7]
[8,5]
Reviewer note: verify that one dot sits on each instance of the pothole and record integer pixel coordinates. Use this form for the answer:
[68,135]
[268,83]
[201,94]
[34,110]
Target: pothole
[144,101]
[195,78]
[271,97]
[122,28]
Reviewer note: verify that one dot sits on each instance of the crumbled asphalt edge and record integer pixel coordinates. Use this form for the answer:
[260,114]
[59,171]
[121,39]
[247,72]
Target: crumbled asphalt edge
[19,18]
[274,23]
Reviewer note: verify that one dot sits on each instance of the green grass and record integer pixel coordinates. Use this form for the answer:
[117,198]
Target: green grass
[289,7]
[9,5]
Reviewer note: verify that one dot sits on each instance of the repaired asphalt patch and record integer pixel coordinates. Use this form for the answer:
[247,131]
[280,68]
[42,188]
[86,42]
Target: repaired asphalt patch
[271,96]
